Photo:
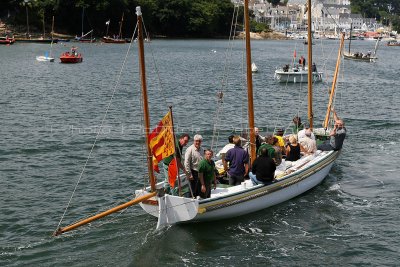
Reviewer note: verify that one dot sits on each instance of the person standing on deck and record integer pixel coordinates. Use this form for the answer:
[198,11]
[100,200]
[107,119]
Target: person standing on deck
[302,62]
[206,174]
[194,154]
[337,136]
[182,142]
[238,159]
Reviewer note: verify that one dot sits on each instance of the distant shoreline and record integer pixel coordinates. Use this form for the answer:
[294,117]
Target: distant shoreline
[254,36]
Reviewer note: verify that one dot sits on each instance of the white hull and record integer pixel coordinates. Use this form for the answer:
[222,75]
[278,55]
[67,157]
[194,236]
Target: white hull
[254,67]
[300,76]
[242,199]
[44,58]
[359,58]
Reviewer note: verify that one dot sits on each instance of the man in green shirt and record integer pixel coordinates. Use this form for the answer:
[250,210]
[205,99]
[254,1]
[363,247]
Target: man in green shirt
[207,174]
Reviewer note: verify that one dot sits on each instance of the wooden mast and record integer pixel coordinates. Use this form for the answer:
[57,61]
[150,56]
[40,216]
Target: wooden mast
[144,99]
[310,78]
[52,37]
[351,27]
[120,26]
[149,156]
[332,94]
[249,83]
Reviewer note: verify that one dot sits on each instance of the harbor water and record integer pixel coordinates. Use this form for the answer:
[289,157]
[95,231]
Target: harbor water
[51,114]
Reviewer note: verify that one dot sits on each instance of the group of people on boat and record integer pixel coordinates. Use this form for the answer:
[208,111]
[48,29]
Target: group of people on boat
[362,55]
[272,150]
[301,65]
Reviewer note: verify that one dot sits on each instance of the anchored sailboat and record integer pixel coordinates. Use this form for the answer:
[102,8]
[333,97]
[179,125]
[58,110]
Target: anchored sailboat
[84,37]
[115,39]
[225,202]
[48,55]
[359,56]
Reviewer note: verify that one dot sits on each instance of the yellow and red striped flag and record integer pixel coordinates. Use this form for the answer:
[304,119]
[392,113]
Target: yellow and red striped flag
[161,140]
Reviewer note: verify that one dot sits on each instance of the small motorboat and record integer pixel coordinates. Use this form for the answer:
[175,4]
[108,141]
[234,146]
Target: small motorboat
[45,58]
[71,57]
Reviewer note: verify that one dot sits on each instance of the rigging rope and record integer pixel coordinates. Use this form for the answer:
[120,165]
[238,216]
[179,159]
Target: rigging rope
[117,81]
[220,102]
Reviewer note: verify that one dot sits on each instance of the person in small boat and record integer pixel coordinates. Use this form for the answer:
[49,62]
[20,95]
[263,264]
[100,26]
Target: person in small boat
[263,169]
[286,68]
[206,174]
[314,67]
[238,159]
[180,144]
[302,62]
[337,135]
[308,144]
[193,155]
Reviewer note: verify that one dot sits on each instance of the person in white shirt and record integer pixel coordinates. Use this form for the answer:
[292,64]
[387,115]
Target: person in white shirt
[308,145]
[302,133]
[194,154]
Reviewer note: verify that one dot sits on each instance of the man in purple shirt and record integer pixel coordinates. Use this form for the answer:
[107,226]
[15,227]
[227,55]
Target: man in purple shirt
[238,159]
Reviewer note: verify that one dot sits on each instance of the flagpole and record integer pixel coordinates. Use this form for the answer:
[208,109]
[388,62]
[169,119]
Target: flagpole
[174,140]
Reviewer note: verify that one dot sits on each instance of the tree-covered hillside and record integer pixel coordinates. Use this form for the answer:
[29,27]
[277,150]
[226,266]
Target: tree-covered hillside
[173,18]
[385,11]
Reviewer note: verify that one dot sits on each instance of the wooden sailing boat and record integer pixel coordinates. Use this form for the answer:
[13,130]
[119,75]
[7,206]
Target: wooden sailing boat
[48,55]
[118,39]
[232,201]
[83,38]
[366,57]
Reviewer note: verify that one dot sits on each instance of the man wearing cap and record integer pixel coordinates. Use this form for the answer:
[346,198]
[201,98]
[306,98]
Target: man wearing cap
[194,154]
[238,159]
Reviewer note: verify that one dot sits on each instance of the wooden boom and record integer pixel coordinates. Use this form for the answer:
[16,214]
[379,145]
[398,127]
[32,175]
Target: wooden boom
[328,111]
[103,214]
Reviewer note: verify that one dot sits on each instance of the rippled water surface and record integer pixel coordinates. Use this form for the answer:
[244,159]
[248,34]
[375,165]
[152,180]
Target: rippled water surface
[50,113]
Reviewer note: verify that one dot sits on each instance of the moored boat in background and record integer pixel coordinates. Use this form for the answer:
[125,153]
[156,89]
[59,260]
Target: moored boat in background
[5,40]
[393,43]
